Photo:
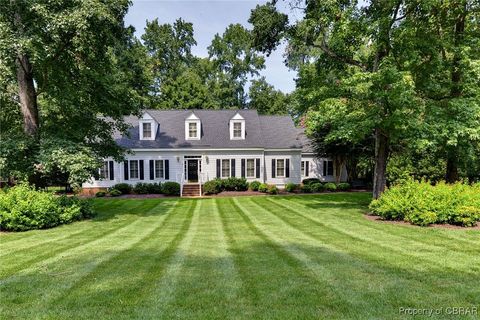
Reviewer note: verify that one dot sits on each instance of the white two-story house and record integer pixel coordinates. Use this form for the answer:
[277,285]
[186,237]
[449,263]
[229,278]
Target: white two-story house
[193,146]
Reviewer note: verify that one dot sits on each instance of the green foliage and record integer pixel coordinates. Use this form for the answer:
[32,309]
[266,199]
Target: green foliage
[154,188]
[422,203]
[263,187]
[171,188]
[272,189]
[254,185]
[212,187]
[124,188]
[344,186]
[265,99]
[141,188]
[306,188]
[310,181]
[23,208]
[291,187]
[317,187]
[234,184]
[114,192]
[100,194]
[330,186]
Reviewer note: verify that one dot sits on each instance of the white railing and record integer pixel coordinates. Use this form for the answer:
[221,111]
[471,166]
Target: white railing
[181,179]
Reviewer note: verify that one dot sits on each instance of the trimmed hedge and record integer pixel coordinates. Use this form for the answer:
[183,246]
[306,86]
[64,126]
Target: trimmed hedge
[124,188]
[114,193]
[422,204]
[343,186]
[291,187]
[263,187]
[310,181]
[254,185]
[24,208]
[100,194]
[171,188]
[330,186]
[212,187]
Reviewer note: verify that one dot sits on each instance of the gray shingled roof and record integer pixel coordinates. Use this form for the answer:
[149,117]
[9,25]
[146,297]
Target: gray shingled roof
[260,131]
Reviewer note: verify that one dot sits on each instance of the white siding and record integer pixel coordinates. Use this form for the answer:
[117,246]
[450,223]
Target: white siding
[316,169]
[293,156]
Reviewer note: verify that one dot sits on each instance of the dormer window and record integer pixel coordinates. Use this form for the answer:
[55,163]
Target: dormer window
[192,128]
[237,130]
[237,127]
[147,130]
[147,127]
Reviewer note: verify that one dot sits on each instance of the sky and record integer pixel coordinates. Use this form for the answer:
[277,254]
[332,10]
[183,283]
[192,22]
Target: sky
[209,18]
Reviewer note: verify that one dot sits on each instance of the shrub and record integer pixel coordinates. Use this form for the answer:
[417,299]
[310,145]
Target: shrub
[330,186]
[317,187]
[306,188]
[272,189]
[23,208]
[423,204]
[115,192]
[254,185]
[212,187]
[291,187]
[343,186]
[310,181]
[171,188]
[234,184]
[124,188]
[100,194]
[154,188]
[263,187]
[141,188]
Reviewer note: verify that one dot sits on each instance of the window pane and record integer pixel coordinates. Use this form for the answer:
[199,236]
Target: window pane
[158,168]
[192,130]
[250,168]
[134,169]
[303,168]
[237,129]
[147,130]
[104,170]
[280,167]
[330,168]
[226,168]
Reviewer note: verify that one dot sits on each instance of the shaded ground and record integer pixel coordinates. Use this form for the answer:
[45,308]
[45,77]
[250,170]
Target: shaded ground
[280,257]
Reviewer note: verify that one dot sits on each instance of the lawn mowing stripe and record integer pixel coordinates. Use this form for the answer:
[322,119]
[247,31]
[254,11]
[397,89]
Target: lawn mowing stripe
[399,250]
[256,259]
[16,262]
[163,289]
[84,226]
[14,240]
[291,242]
[467,236]
[88,263]
[295,255]
[143,262]
[441,239]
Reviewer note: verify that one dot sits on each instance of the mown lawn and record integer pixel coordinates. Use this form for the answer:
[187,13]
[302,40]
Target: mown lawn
[302,257]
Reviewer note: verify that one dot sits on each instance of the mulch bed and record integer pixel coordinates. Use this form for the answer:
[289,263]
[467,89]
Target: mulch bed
[404,223]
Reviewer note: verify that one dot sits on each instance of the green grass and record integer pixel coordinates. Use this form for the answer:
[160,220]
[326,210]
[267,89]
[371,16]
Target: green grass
[302,257]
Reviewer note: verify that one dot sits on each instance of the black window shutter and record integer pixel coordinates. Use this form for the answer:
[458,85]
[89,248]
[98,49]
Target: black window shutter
[273,168]
[125,170]
[152,169]
[307,170]
[325,168]
[218,168]
[141,169]
[167,169]
[287,168]
[112,173]
[330,168]
[232,168]
[243,168]
[257,165]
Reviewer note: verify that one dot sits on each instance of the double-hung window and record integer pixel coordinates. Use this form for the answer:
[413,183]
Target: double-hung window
[237,130]
[250,168]
[104,171]
[327,168]
[134,169]
[225,168]
[147,130]
[280,168]
[159,169]
[305,168]
[192,130]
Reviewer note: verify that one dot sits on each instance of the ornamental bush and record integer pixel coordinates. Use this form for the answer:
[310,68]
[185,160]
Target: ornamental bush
[263,187]
[24,208]
[234,184]
[330,186]
[254,185]
[272,189]
[343,186]
[422,204]
[310,181]
[306,188]
[212,187]
[317,187]
[291,187]
[100,194]
[171,188]
[114,193]
[154,188]
[124,188]
[141,188]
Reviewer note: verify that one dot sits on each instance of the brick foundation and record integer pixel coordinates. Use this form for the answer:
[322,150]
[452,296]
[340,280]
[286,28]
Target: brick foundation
[91,191]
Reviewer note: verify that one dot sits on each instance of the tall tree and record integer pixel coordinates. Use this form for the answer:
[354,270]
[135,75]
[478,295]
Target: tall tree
[66,66]
[265,99]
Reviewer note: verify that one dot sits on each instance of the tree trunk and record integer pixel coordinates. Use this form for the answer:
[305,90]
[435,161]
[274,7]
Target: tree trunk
[27,95]
[451,175]
[381,155]
[339,161]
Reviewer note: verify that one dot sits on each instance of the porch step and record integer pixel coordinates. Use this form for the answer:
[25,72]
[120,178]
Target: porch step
[191,190]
